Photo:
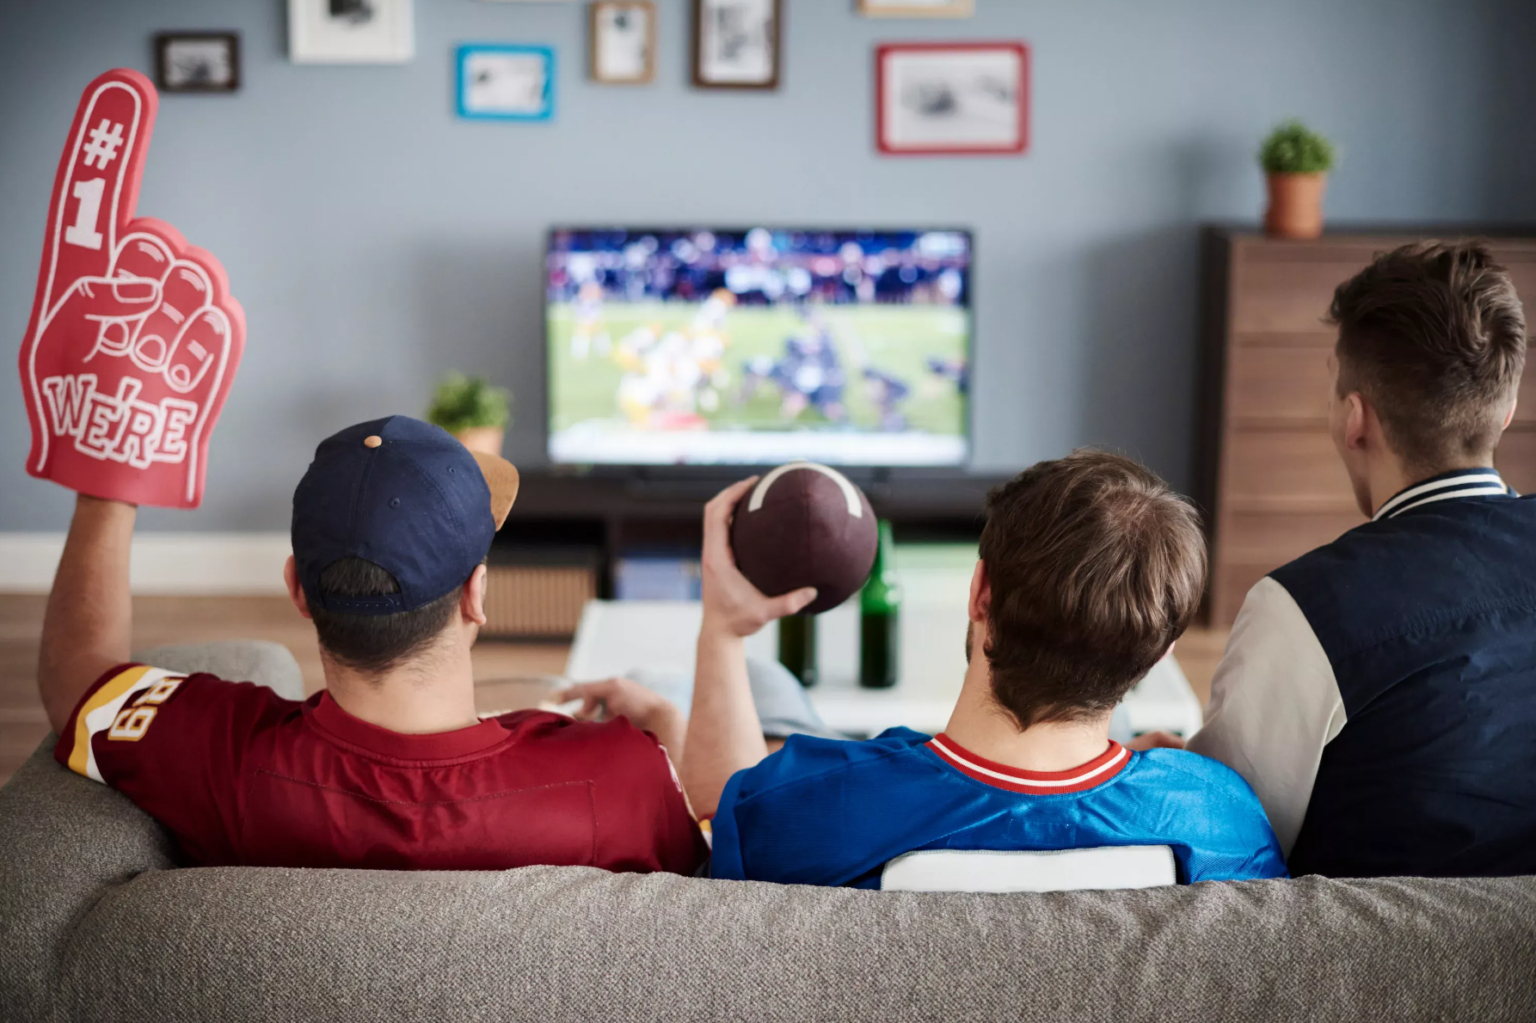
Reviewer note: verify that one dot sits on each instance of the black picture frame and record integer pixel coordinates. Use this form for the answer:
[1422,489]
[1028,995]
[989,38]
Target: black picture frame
[164,41]
[699,79]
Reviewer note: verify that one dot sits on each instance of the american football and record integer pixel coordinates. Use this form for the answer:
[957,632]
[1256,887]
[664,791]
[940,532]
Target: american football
[805,524]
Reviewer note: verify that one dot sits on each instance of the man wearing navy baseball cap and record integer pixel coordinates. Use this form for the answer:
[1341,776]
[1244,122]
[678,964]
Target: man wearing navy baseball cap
[388,766]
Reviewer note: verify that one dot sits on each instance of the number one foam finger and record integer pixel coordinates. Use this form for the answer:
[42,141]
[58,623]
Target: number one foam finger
[134,337]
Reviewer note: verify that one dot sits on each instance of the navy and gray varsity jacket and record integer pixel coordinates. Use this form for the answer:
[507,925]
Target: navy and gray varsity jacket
[1379,693]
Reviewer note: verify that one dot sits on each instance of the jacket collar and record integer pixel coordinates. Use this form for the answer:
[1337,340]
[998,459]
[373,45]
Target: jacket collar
[1447,486]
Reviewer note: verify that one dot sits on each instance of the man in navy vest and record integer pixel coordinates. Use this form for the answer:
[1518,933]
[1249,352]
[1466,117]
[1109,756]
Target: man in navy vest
[1379,693]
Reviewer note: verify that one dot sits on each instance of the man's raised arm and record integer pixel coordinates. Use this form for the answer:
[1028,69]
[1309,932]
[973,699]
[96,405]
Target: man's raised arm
[88,625]
[724,734]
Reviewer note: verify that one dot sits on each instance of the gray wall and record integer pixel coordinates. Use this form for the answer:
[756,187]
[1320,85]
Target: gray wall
[376,240]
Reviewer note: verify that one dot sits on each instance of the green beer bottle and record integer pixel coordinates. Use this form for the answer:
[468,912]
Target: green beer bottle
[880,617]
[797,647]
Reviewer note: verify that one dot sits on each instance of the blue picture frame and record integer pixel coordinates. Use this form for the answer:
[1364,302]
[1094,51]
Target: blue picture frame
[467,53]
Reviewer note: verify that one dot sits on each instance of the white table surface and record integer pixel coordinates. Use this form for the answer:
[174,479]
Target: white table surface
[654,638]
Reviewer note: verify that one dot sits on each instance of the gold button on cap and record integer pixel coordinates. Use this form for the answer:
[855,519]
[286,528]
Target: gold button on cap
[372,441]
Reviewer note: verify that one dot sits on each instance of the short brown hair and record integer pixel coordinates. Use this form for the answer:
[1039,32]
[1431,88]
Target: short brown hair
[373,644]
[1434,336]
[1096,566]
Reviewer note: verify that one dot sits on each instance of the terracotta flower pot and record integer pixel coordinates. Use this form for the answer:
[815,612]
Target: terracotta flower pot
[484,439]
[1295,205]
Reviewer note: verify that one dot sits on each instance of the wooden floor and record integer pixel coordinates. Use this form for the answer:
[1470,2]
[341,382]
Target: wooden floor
[163,620]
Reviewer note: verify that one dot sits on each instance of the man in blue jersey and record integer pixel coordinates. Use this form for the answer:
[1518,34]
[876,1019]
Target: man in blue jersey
[1090,568]
[1379,693]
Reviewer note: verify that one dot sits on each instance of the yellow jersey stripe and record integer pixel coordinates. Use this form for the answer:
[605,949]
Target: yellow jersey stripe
[114,689]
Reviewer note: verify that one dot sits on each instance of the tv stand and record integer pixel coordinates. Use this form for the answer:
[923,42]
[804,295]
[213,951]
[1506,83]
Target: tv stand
[605,513]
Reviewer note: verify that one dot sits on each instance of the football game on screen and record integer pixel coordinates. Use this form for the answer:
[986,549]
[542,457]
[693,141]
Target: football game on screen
[758,346]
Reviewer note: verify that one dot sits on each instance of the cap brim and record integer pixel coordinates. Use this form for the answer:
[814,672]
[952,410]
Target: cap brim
[501,477]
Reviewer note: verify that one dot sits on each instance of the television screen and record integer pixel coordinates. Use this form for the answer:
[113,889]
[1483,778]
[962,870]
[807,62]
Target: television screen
[690,347]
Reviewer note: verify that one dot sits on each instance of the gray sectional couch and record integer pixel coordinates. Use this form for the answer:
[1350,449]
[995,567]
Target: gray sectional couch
[98,923]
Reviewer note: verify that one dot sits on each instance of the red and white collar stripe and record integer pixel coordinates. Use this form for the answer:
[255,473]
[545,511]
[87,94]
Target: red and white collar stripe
[1035,783]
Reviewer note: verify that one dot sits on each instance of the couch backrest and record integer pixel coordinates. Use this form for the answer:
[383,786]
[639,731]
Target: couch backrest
[96,927]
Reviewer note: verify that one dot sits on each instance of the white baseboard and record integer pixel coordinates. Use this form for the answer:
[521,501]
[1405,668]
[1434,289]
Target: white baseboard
[178,564]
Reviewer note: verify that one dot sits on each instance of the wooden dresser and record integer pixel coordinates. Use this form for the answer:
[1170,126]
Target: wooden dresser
[1271,484]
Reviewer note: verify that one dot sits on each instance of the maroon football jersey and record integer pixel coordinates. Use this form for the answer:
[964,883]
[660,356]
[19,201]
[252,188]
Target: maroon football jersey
[242,776]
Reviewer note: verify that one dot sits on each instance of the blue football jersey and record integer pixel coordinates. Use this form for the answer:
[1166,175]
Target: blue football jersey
[833,812]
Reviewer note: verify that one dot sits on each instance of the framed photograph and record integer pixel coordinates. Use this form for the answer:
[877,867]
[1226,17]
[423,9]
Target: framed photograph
[197,62]
[736,43]
[952,98]
[506,83]
[623,42]
[917,8]
[351,31]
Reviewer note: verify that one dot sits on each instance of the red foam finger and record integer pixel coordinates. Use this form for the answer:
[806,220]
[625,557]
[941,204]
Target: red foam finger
[135,338]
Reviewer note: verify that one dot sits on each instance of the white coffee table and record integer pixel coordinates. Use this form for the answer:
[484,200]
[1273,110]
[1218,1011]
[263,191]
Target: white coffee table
[617,638]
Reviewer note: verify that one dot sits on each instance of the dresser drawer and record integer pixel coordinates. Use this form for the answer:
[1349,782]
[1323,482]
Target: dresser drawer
[1270,384]
[1284,470]
[1271,539]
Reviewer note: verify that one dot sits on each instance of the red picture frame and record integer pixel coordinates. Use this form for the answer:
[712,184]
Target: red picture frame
[1018,143]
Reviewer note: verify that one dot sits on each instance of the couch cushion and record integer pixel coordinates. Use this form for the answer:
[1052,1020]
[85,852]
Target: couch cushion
[546,943]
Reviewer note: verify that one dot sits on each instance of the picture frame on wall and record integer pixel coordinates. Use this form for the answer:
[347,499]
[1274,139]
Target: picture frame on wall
[197,61]
[917,8]
[622,42]
[736,43]
[504,82]
[952,98]
[351,31]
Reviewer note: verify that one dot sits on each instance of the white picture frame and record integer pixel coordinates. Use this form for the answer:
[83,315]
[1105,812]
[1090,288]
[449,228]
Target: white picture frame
[351,31]
[917,8]
[622,48]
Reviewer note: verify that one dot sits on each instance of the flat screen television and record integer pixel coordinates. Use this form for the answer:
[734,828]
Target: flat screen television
[758,346]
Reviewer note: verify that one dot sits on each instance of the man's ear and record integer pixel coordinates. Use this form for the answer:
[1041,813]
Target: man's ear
[981,593]
[295,591]
[472,598]
[1358,421]
[1509,417]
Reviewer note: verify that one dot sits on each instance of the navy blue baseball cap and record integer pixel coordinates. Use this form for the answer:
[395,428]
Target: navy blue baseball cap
[406,496]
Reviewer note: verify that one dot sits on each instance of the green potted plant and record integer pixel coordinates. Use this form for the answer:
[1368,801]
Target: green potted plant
[1296,161]
[472,410]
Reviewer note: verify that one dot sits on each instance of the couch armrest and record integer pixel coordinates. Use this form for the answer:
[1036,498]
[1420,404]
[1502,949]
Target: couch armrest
[64,842]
